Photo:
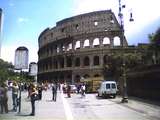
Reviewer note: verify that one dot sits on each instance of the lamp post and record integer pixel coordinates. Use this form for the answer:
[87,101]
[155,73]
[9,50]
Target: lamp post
[20,90]
[120,15]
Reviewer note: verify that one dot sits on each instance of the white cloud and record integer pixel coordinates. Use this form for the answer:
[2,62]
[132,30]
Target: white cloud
[20,20]
[11,4]
[144,11]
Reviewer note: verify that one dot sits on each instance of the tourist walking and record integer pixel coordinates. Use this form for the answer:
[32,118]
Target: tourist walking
[68,90]
[40,92]
[83,89]
[15,90]
[34,97]
[54,92]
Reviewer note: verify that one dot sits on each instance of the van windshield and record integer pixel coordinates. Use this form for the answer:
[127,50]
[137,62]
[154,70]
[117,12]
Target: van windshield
[113,85]
[107,86]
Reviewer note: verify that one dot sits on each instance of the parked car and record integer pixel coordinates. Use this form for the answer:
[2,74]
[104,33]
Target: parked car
[108,89]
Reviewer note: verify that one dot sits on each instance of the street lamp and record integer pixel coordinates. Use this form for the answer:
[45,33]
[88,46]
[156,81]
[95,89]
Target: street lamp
[120,15]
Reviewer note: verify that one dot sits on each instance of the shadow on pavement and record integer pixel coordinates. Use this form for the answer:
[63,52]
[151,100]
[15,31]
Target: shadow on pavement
[23,115]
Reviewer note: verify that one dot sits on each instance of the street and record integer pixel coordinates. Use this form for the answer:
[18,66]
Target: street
[77,107]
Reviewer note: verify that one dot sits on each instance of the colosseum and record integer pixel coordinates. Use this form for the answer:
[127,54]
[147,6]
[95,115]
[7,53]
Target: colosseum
[78,47]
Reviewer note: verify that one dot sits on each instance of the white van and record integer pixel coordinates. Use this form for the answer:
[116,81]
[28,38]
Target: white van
[107,89]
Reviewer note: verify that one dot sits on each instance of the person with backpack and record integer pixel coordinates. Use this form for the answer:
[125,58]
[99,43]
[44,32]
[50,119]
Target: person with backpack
[34,97]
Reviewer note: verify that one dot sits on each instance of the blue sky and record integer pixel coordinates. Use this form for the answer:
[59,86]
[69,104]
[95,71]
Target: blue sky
[24,20]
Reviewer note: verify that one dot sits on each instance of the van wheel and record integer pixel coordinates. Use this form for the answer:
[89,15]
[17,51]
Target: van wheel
[114,96]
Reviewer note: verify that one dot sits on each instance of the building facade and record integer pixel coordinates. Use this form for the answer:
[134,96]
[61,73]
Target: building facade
[33,69]
[21,58]
[78,47]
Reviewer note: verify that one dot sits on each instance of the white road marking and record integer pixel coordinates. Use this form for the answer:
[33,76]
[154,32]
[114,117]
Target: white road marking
[67,108]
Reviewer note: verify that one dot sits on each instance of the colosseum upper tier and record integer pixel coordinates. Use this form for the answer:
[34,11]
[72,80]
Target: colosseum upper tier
[77,47]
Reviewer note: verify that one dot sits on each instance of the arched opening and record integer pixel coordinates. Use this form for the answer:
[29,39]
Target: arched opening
[96,60]
[96,42]
[61,62]
[86,76]
[107,59]
[86,61]
[77,46]
[61,78]
[96,75]
[69,79]
[69,62]
[69,47]
[117,41]
[63,48]
[106,41]
[86,43]
[57,49]
[77,79]
[55,64]
[77,62]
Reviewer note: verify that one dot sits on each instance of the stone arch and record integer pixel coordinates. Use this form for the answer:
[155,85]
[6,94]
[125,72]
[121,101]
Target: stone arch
[69,61]
[61,78]
[69,47]
[63,48]
[77,78]
[96,42]
[77,62]
[57,49]
[116,41]
[69,78]
[86,43]
[77,45]
[96,60]
[106,41]
[86,61]
[61,61]
[86,76]
[55,63]
[96,75]
[107,59]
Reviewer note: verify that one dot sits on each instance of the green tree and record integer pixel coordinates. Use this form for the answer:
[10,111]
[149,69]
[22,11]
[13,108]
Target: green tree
[113,68]
[155,45]
[5,70]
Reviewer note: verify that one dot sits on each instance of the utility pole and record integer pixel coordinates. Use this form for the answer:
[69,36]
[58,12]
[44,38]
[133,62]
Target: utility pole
[120,15]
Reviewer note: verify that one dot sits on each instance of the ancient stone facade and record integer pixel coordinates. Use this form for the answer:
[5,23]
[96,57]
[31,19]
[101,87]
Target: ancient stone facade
[78,47]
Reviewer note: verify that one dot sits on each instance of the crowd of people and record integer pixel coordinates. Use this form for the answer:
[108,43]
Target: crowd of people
[35,93]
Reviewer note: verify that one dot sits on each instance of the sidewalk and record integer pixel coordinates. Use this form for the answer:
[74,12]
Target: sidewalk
[46,109]
[147,109]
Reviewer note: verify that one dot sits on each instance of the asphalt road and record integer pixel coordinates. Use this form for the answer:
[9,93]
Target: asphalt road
[77,107]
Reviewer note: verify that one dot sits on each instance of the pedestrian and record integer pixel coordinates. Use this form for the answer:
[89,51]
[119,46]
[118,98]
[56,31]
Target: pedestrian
[83,89]
[3,98]
[64,87]
[15,90]
[68,90]
[54,92]
[40,92]
[34,97]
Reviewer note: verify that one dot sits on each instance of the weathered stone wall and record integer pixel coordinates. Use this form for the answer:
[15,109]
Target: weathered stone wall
[145,82]
[78,46]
